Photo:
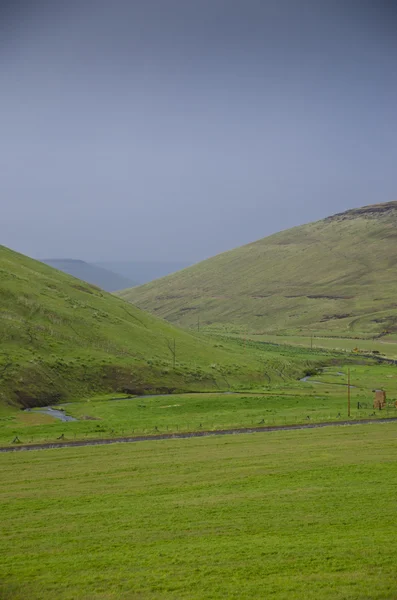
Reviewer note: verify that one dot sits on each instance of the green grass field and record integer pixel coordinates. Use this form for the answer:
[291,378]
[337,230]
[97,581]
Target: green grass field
[334,277]
[386,346]
[286,515]
[322,398]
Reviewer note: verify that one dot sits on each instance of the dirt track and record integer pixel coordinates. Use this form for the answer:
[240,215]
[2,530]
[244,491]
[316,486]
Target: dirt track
[193,434]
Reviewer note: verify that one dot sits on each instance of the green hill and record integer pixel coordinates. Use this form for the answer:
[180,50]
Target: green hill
[62,338]
[335,276]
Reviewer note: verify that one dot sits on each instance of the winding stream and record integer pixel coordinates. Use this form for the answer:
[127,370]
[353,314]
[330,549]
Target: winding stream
[308,379]
[61,416]
[52,412]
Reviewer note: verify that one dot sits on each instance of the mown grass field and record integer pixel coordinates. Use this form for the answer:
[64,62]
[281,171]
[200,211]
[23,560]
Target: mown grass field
[323,397]
[286,515]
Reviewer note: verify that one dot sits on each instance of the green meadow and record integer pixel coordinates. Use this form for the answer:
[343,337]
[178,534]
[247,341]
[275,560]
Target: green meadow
[283,515]
[385,346]
[322,397]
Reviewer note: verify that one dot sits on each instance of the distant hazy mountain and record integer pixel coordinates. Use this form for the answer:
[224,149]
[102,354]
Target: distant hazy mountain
[143,272]
[103,278]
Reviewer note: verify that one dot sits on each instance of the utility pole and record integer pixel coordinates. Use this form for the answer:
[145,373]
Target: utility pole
[348,392]
[172,348]
[311,341]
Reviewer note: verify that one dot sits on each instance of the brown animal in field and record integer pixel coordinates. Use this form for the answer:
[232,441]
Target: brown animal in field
[380,399]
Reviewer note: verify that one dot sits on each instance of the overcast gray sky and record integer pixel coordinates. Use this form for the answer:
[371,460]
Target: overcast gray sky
[176,129]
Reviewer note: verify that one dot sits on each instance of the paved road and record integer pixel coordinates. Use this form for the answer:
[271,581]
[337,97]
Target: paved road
[193,434]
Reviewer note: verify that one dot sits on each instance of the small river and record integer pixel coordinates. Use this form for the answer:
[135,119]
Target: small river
[61,416]
[52,412]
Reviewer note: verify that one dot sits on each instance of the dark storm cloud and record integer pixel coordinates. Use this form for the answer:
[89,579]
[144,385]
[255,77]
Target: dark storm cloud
[175,129]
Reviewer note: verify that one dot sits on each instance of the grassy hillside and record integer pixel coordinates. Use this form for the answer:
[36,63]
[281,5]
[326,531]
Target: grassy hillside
[104,278]
[64,339]
[338,275]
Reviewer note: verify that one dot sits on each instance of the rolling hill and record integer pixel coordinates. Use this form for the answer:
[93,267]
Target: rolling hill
[62,339]
[335,276]
[104,278]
